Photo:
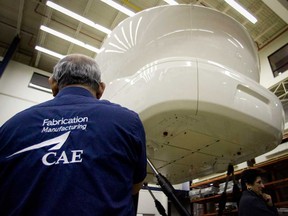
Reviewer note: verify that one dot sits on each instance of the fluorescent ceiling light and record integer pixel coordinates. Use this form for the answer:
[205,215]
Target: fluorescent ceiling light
[119,7]
[49,52]
[171,2]
[242,10]
[78,17]
[70,39]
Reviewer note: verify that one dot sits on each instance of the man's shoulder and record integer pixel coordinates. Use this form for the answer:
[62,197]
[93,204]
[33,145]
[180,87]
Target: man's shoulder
[117,107]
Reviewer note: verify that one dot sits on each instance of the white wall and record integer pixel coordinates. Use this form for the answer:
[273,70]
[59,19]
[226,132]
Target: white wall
[15,95]
[266,77]
[146,205]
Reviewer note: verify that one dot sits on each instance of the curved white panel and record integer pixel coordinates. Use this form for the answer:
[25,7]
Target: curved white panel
[192,75]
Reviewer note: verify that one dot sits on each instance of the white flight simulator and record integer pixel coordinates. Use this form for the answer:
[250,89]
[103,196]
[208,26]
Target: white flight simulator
[192,75]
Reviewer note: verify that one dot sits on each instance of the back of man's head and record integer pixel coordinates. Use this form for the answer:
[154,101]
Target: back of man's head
[77,69]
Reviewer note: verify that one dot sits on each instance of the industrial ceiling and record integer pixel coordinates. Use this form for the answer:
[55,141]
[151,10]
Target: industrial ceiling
[24,18]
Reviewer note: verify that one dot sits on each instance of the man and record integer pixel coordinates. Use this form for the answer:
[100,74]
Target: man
[72,155]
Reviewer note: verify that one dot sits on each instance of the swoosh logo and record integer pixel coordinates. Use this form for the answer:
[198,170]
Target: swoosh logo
[57,141]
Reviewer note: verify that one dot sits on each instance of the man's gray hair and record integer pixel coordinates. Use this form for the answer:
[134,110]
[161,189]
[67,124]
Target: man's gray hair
[77,69]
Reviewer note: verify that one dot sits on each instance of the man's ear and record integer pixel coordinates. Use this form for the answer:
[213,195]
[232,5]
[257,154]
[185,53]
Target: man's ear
[54,86]
[100,90]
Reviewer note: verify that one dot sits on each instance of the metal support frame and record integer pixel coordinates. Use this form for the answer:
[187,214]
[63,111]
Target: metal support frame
[9,54]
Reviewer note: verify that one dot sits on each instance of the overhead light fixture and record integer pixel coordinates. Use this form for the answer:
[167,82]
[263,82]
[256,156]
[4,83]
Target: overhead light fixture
[242,10]
[77,17]
[119,7]
[68,38]
[171,2]
[49,52]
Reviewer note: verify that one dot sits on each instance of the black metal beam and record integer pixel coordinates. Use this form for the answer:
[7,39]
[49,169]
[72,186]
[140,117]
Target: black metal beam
[9,54]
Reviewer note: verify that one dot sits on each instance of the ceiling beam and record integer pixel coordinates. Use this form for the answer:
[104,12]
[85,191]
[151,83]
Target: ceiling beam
[42,36]
[76,33]
[278,8]
[20,15]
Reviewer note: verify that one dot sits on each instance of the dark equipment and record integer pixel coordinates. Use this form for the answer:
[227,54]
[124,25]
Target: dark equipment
[236,191]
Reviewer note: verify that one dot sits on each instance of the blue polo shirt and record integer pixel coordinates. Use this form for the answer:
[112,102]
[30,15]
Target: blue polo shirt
[72,155]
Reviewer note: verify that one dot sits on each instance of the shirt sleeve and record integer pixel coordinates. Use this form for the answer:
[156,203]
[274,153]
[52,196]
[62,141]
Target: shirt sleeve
[140,139]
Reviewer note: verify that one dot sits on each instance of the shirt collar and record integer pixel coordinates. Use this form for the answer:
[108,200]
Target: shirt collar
[74,91]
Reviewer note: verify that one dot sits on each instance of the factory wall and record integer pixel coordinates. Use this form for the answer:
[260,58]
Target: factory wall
[15,95]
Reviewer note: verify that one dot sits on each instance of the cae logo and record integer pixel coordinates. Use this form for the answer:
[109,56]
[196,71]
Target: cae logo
[75,158]
[51,157]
